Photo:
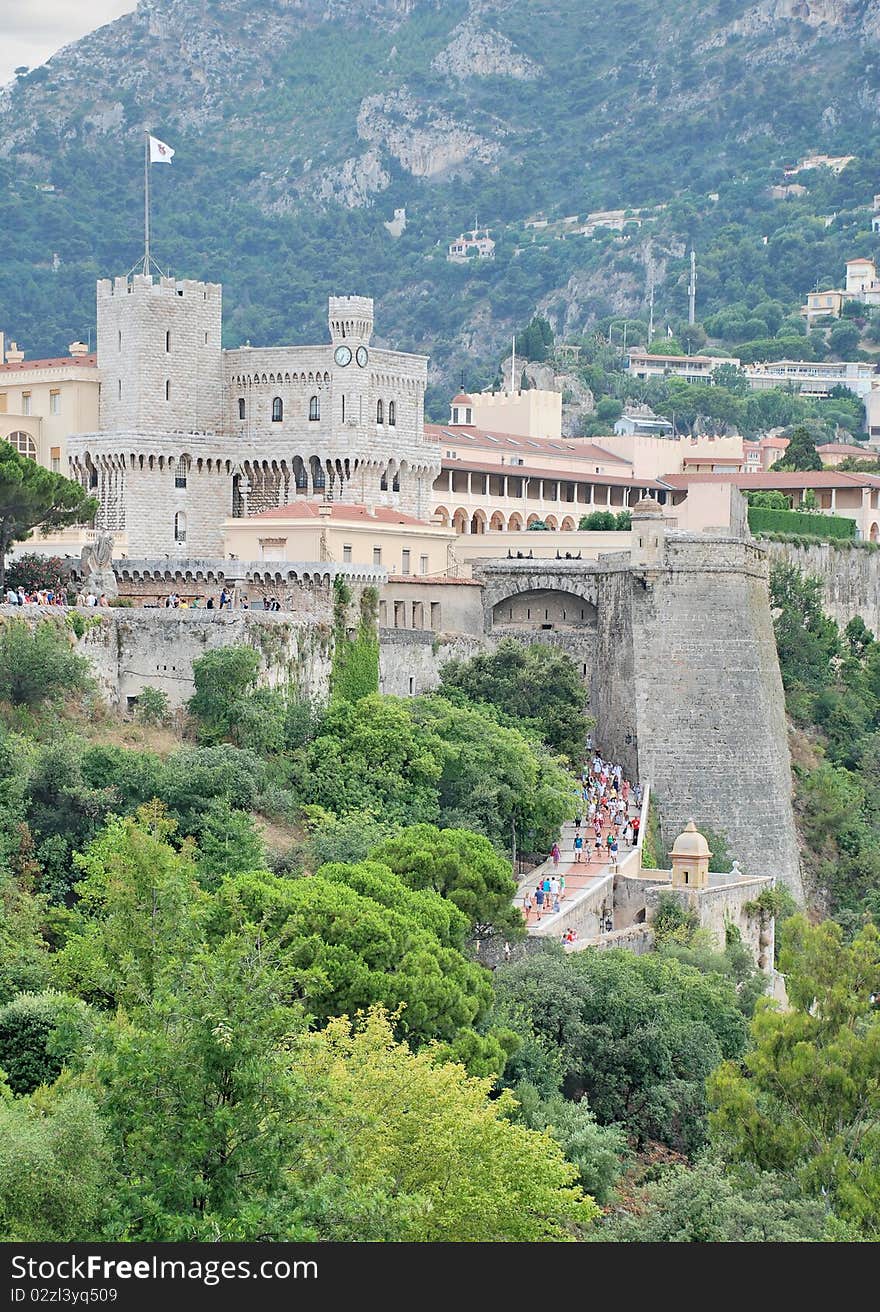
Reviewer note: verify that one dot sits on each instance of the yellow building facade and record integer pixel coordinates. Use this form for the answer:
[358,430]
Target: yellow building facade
[43,402]
[345,534]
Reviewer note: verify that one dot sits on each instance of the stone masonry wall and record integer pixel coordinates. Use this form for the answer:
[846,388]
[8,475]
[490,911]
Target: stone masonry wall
[130,649]
[850,577]
[410,659]
[712,736]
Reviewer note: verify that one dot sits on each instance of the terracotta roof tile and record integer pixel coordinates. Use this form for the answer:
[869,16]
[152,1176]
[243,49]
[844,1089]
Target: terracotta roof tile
[341,511]
[77,361]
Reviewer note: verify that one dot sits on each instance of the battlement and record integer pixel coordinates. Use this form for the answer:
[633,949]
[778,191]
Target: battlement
[350,318]
[140,284]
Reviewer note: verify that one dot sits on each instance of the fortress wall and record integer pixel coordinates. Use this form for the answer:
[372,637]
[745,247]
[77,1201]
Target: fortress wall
[130,649]
[612,686]
[410,659]
[712,737]
[850,577]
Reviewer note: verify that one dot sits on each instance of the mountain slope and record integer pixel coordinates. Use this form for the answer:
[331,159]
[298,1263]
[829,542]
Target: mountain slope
[300,125]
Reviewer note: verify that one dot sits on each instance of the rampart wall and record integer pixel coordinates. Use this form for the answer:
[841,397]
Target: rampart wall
[850,577]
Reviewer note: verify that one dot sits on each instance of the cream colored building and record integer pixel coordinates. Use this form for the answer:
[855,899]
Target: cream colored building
[820,304]
[43,402]
[532,413]
[346,534]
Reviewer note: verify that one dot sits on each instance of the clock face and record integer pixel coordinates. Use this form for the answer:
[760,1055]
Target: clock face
[362,356]
[342,355]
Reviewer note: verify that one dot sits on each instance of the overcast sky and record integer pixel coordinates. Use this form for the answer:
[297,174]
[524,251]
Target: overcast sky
[32,30]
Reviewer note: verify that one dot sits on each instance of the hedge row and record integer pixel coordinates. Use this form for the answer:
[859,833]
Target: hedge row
[800,522]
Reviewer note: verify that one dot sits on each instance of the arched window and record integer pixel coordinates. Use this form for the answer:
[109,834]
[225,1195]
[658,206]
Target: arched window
[319,476]
[383,482]
[392,414]
[395,486]
[380,413]
[180,526]
[277,410]
[314,408]
[167,389]
[24,444]
[241,407]
[168,341]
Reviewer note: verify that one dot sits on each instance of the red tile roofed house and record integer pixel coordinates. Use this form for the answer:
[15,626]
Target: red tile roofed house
[345,533]
[834,453]
[837,492]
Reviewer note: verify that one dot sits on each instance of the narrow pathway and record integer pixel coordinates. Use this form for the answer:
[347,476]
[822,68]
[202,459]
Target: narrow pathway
[583,879]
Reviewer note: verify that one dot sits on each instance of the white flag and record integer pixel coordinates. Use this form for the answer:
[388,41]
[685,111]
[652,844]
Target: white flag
[159,152]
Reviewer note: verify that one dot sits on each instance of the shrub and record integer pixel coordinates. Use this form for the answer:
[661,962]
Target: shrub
[34,572]
[599,521]
[39,1033]
[38,664]
[221,678]
[152,705]
[763,520]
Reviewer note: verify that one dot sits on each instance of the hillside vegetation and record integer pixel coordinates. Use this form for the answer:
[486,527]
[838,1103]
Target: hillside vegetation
[299,128]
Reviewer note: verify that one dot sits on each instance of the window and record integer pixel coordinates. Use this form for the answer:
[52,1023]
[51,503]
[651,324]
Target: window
[180,478]
[315,408]
[377,555]
[346,553]
[24,444]
[167,389]
[383,483]
[392,414]
[395,486]
[54,403]
[241,411]
[404,561]
[380,413]
[277,410]
[168,341]
[119,388]
[180,527]
[55,457]
[423,564]
[25,403]
[467,415]
[343,409]
[119,339]
[455,414]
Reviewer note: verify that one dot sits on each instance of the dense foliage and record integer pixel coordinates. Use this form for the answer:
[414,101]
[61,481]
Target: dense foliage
[832,683]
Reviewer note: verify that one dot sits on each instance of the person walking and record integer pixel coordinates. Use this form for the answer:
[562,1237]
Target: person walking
[527,906]
[578,848]
[539,902]
[554,852]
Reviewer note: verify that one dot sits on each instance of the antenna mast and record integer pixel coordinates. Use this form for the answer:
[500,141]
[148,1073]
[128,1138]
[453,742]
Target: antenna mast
[692,290]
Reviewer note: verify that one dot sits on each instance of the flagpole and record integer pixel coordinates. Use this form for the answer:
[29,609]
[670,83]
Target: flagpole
[147,258]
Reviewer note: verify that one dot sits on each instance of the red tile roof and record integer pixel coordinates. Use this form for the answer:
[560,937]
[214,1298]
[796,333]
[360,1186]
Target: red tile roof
[340,511]
[774,478]
[490,440]
[845,449]
[89,361]
[558,475]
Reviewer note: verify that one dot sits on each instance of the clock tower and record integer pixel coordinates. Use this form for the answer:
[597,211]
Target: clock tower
[351,327]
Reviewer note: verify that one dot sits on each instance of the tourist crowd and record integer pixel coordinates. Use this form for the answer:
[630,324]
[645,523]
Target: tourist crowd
[602,825]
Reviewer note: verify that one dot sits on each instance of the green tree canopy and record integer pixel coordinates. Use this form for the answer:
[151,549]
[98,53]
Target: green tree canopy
[461,866]
[533,686]
[801,453]
[447,1157]
[804,1098]
[31,496]
[636,1036]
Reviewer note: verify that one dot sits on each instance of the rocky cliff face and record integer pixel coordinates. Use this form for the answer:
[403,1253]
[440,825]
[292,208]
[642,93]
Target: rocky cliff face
[425,143]
[476,51]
